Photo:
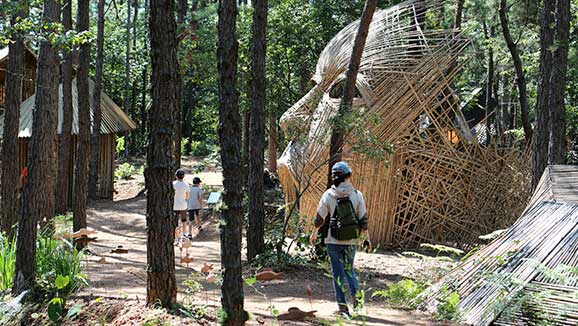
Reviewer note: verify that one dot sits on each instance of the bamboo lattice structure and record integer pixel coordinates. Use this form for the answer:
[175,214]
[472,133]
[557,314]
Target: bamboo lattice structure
[523,261]
[441,185]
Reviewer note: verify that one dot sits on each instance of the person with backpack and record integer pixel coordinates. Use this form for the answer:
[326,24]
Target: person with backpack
[342,212]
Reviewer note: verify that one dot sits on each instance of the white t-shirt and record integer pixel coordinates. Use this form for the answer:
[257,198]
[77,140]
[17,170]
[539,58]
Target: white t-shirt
[181,190]
[328,203]
[195,199]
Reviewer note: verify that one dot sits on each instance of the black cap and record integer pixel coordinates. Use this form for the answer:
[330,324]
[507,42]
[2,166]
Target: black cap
[196,180]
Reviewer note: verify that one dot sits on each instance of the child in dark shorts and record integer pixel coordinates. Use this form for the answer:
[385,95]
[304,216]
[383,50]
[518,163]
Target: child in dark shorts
[195,203]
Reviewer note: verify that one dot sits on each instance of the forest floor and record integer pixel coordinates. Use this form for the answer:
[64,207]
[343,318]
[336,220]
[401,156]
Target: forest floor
[117,292]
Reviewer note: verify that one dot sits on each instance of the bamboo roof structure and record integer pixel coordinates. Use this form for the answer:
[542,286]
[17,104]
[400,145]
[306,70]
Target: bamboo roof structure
[440,185]
[535,261]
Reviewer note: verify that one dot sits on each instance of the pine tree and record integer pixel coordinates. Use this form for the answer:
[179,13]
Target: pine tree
[166,96]
[229,131]
[83,146]
[10,169]
[39,190]
[256,225]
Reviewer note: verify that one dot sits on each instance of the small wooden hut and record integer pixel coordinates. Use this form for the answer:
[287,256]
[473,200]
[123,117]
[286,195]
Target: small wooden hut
[114,122]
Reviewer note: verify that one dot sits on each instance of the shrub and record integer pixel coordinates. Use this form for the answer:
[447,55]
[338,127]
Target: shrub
[402,294]
[56,258]
[447,308]
[7,261]
[124,171]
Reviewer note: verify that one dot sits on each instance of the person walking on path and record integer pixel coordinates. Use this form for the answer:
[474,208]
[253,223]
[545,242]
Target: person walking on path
[195,203]
[182,193]
[342,211]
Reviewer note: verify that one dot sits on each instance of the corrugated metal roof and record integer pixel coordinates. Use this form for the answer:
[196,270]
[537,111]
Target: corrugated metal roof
[114,120]
[3,54]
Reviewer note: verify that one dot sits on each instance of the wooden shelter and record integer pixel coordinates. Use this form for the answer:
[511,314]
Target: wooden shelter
[114,122]
[535,261]
[441,184]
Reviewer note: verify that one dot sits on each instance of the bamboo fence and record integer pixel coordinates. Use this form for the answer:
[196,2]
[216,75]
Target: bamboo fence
[440,185]
[523,261]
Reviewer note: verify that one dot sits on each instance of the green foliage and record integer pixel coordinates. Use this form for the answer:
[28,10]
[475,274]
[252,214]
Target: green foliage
[7,261]
[125,171]
[56,309]
[58,265]
[119,149]
[441,249]
[447,308]
[403,294]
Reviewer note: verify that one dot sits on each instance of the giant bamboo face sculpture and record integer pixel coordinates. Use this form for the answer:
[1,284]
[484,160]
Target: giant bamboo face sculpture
[434,187]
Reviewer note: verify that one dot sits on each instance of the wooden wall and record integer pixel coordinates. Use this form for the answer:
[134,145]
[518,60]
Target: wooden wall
[107,165]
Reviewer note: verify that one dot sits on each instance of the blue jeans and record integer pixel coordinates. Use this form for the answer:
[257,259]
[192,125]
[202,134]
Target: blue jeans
[341,258]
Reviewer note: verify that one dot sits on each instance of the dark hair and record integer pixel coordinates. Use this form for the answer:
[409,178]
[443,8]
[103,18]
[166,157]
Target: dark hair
[196,180]
[338,178]
[180,174]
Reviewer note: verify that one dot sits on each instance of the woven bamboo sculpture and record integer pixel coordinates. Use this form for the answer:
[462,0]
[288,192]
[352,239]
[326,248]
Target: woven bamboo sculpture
[440,184]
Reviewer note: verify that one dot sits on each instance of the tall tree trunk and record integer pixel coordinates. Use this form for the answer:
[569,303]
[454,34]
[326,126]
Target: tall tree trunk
[188,118]
[83,147]
[338,134]
[134,91]
[272,143]
[521,78]
[38,195]
[540,141]
[229,131]
[556,148]
[127,142]
[256,225]
[245,136]
[505,102]
[489,80]
[94,167]
[65,149]
[459,14]
[13,98]
[166,92]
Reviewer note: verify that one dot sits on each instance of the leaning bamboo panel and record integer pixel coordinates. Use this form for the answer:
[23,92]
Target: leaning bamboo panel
[440,184]
[487,281]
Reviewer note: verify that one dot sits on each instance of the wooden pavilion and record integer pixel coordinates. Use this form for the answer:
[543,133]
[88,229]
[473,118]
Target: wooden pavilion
[114,122]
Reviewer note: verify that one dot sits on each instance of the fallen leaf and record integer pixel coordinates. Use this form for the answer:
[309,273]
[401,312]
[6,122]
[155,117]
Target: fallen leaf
[186,259]
[206,268]
[211,278]
[119,251]
[296,314]
[80,233]
[268,276]
[102,260]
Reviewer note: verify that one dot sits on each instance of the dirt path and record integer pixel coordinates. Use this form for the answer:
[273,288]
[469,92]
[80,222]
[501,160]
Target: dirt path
[122,223]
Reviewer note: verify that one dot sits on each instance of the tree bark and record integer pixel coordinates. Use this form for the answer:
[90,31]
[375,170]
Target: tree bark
[521,78]
[229,131]
[256,225]
[94,167]
[127,142]
[489,80]
[272,143]
[540,141]
[13,98]
[338,132]
[245,136]
[166,92]
[65,149]
[83,147]
[459,14]
[556,147]
[38,195]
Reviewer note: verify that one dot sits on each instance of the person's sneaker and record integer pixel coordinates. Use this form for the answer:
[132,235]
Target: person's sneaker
[343,311]
[200,228]
[190,236]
